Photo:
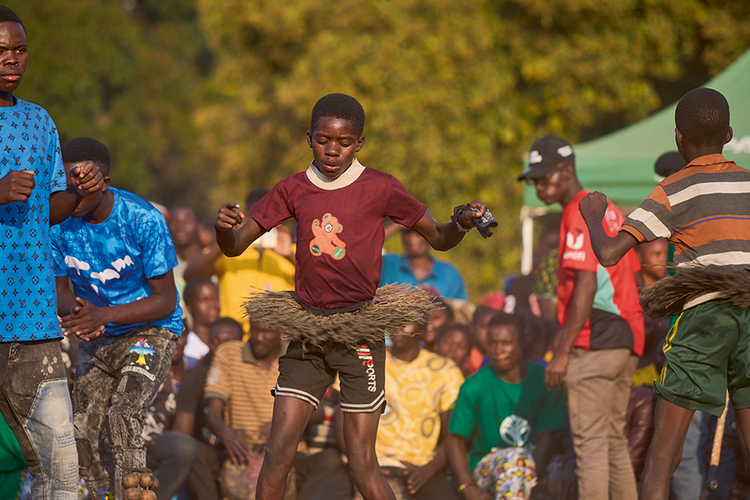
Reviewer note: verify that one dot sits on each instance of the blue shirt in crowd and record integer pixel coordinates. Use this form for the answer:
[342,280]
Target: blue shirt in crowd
[110,263]
[28,141]
[444,277]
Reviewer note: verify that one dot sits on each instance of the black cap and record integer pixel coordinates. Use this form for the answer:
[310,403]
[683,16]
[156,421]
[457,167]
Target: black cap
[545,154]
[669,163]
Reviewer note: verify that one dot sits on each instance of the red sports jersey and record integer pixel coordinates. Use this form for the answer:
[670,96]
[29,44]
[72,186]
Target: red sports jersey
[339,230]
[616,293]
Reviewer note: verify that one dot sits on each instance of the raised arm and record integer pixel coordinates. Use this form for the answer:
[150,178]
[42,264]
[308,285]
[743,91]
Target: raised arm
[608,250]
[232,236]
[444,236]
[85,180]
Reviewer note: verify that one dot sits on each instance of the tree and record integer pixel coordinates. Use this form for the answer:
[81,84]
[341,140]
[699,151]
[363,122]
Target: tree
[455,92]
[130,78]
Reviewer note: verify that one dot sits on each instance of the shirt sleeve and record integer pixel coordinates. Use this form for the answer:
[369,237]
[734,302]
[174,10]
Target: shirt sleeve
[653,219]
[577,253]
[217,382]
[273,208]
[157,249]
[401,206]
[58,181]
[58,259]
[449,393]
[465,414]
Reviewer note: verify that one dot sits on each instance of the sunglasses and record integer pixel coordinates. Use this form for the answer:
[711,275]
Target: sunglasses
[545,178]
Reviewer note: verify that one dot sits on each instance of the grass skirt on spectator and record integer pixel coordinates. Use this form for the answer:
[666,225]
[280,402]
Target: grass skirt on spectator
[394,306]
[506,473]
[667,296]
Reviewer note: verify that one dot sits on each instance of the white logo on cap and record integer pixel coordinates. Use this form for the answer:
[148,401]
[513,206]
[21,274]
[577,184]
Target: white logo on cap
[565,151]
[535,157]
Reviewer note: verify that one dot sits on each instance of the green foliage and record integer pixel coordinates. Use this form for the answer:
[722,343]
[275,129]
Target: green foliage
[202,100]
[455,92]
[129,78]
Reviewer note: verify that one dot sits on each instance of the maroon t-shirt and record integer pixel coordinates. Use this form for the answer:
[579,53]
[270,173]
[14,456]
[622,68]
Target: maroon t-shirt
[339,232]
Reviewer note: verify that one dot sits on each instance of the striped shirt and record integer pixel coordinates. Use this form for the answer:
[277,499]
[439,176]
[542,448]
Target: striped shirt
[704,211]
[240,381]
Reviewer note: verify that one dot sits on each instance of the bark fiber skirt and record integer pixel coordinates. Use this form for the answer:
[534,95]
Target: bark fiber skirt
[395,306]
[668,296]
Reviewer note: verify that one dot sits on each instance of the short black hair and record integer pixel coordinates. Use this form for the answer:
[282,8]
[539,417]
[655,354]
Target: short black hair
[465,329]
[503,318]
[702,116]
[193,285]
[87,149]
[440,304]
[339,106]
[8,16]
[254,197]
[481,311]
[226,320]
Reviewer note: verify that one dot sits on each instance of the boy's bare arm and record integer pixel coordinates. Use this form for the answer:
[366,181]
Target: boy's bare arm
[608,250]
[85,180]
[444,236]
[232,236]
[86,320]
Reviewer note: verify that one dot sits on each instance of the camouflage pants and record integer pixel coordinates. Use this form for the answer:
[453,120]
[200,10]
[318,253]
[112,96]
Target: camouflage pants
[116,379]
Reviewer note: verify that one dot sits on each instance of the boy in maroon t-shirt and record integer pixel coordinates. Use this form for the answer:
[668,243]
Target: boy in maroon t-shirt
[339,206]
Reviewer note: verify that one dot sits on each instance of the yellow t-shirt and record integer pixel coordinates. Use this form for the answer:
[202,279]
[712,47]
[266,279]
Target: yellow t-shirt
[238,276]
[417,393]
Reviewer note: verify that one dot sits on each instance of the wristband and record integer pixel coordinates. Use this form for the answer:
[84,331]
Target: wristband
[464,486]
[460,228]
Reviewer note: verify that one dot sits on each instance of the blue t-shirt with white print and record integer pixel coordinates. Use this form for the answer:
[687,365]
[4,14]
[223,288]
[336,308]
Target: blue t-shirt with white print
[110,263]
[28,297]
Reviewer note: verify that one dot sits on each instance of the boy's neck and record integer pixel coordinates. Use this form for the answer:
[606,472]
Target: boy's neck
[574,189]
[102,210]
[7,100]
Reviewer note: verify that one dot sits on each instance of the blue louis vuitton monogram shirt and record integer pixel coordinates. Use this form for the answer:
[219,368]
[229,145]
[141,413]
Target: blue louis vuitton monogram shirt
[28,298]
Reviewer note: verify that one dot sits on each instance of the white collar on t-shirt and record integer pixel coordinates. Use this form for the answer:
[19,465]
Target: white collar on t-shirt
[352,174]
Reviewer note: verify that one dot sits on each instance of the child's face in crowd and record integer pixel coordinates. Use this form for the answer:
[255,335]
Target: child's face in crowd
[438,317]
[204,305]
[503,347]
[653,257]
[183,226]
[334,143]
[224,332]
[480,331]
[456,346]
[13,58]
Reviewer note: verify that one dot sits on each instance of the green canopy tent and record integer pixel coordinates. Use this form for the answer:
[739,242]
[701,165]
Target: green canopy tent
[621,164]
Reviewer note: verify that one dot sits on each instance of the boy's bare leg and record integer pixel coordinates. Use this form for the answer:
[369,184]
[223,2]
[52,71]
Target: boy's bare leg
[670,427]
[290,418]
[360,431]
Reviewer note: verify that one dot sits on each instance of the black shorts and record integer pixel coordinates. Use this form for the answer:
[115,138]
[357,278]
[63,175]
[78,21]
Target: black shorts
[306,373]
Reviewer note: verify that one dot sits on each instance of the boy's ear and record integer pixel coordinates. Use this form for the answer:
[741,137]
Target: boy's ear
[309,138]
[360,143]
[106,180]
[730,134]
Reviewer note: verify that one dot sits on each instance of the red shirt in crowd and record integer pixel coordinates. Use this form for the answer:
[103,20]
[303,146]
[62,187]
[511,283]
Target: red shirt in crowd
[616,293]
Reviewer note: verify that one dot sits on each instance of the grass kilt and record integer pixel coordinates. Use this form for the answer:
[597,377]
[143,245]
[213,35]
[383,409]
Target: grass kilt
[398,305]
[668,295]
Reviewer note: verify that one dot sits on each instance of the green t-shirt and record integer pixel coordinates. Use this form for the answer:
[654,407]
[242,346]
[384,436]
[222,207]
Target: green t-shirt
[492,413]
[11,462]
